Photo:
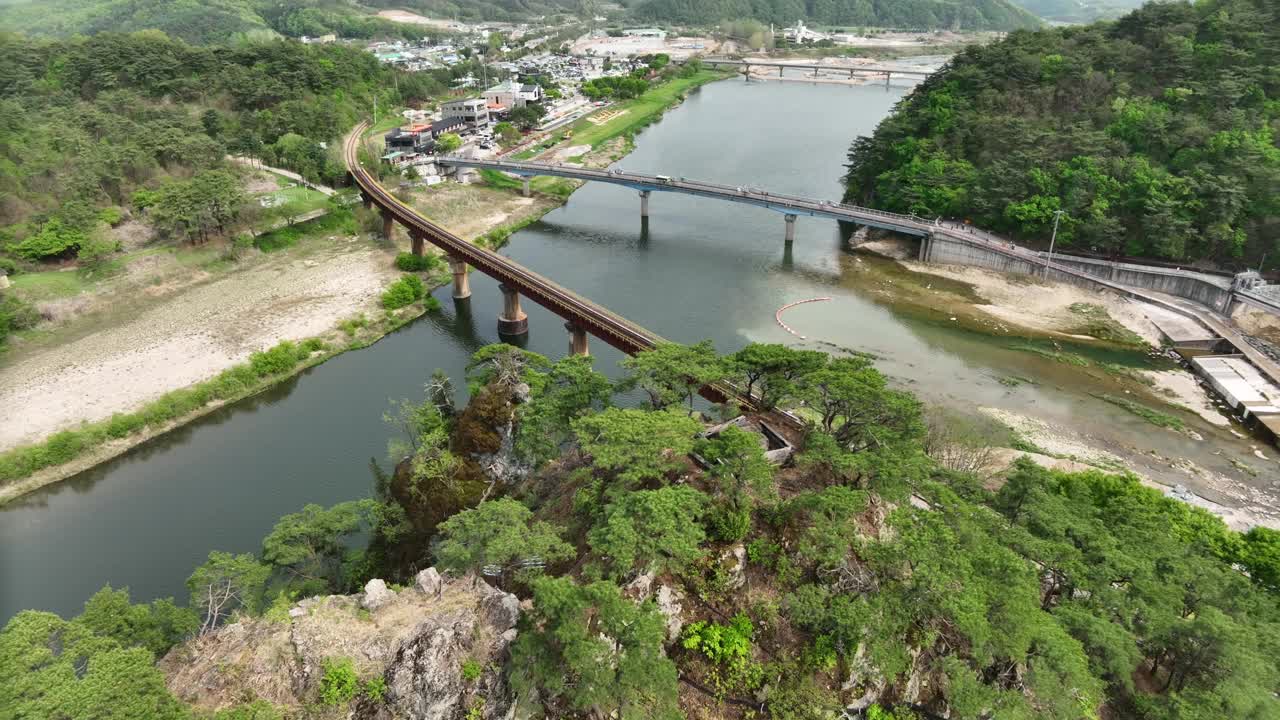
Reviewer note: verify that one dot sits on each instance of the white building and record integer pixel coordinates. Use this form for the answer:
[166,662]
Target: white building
[511,94]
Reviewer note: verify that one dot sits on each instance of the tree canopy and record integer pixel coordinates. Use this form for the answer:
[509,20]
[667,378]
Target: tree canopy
[1153,135]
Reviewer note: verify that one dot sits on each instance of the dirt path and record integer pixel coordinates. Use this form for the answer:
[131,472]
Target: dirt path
[189,336]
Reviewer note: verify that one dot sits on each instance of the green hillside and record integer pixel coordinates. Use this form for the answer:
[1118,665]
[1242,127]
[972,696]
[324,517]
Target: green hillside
[1078,11]
[1155,135]
[210,21]
[914,14]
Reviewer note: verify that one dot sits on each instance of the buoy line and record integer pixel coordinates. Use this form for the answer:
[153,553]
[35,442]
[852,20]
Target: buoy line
[778,315]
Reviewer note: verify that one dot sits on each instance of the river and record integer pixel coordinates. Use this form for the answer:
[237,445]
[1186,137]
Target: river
[702,269]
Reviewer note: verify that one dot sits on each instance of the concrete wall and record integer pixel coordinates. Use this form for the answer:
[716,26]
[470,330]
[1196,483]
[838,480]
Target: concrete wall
[945,251]
[1208,290]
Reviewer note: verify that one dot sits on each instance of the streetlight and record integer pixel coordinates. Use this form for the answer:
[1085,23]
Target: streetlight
[1057,215]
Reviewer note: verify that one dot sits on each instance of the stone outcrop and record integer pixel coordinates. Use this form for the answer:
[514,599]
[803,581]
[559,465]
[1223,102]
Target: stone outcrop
[417,640]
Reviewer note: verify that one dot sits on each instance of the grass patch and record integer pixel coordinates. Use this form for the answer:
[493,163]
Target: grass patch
[1155,417]
[1096,322]
[50,285]
[289,235]
[1067,358]
[640,111]
[1123,371]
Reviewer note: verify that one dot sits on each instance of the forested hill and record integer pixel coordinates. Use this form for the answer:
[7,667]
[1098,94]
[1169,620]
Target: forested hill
[203,21]
[1155,135]
[914,14]
[86,124]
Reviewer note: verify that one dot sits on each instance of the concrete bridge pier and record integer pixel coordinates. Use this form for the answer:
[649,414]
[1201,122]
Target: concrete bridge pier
[388,224]
[577,339]
[887,75]
[512,320]
[368,201]
[779,71]
[525,189]
[746,73]
[461,282]
[419,243]
[644,203]
[790,236]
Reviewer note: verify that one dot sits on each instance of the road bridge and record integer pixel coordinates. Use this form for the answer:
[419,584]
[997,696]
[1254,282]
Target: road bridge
[929,231]
[791,206]
[874,70]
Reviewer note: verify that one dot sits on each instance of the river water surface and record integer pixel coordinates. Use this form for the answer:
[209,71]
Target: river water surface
[701,269]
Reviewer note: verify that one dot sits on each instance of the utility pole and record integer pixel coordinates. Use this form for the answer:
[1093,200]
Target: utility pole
[1057,215]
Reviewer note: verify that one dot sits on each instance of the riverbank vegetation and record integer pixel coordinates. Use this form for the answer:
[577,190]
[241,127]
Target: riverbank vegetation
[1153,135]
[860,576]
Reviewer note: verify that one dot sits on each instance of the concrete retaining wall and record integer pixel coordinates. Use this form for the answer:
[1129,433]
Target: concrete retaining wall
[1207,290]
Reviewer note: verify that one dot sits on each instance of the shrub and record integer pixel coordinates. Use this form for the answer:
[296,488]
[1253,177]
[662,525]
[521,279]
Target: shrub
[402,292]
[111,215]
[353,324]
[8,267]
[471,670]
[728,522]
[339,683]
[277,360]
[409,262]
[375,689]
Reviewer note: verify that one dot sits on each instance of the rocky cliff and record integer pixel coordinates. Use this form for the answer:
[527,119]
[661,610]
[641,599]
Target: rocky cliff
[438,647]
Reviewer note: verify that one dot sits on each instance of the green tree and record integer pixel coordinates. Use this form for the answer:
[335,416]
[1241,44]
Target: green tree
[635,446]
[506,133]
[58,669]
[672,372]
[226,583]
[156,627]
[771,370]
[570,389]
[745,478]
[447,143]
[499,534]
[310,546]
[856,407]
[529,116]
[650,529]
[588,649]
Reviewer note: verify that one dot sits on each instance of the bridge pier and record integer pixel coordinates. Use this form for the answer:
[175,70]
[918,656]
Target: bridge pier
[779,71]
[512,320]
[419,243]
[388,224]
[887,75]
[644,203]
[746,73]
[461,282]
[525,188]
[368,201]
[577,339]
[790,235]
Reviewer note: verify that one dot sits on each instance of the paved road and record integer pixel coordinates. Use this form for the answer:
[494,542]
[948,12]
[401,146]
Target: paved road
[250,162]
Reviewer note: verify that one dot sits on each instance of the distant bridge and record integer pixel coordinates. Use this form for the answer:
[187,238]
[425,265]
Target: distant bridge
[853,70]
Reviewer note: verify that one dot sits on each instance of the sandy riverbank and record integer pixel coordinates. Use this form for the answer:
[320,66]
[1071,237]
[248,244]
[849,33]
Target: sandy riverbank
[189,335]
